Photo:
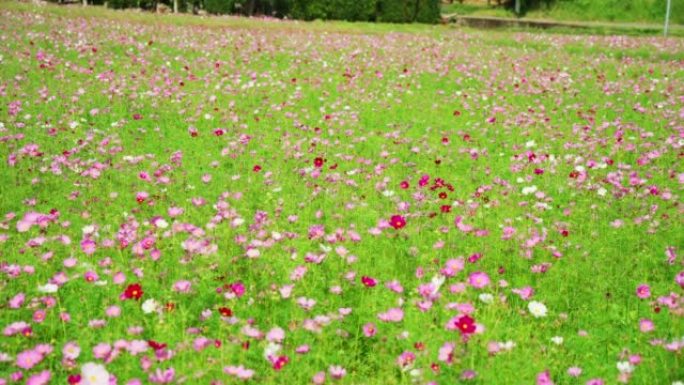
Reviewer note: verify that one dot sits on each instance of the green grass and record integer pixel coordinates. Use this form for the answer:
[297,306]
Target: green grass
[613,11]
[376,102]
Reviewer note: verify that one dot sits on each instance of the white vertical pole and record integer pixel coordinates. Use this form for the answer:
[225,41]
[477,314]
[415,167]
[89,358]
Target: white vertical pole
[667,16]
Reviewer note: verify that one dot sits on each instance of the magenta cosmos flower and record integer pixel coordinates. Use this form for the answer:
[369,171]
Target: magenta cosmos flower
[643,291]
[397,221]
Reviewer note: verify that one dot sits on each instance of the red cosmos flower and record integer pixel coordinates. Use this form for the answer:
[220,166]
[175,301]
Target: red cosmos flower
[397,221]
[226,312]
[465,324]
[133,291]
[156,345]
[404,185]
[442,195]
[368,281]
[74,379]
[445,209]
[280,362]
[318,162]
[137,117]
[256,168]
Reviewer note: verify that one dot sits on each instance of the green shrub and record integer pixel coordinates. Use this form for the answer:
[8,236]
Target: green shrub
[406,11]
[219,7]
[121,4]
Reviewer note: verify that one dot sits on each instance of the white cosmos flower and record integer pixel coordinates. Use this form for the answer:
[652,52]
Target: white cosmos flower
[271,350]
[150,306]
[625,367]
[529,190]
[94,374]
[508,345]
[48,288]
[558,340]
[486,298]
[437,282]
[537,309]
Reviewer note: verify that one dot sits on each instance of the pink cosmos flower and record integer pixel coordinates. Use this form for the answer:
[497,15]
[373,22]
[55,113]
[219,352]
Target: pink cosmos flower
[90,276]
[101,351]
[392,315]
[113,311]
[369,329]
[182,286]
[643,291]
[88,246]
[275,335]
[574,371]
[544,378]
[646,325]
[679,279]
[239,371]
[446,353]
[39,316]
[162,377]
[28,359]
[17,301]
[395,286]
[525,293]
[337,372]
[478,280]
[42,378]
[141,196]
[406,359]
[71,350]
[318,378]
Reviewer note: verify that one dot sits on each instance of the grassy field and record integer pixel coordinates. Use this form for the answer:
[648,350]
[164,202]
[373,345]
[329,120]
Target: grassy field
[223,200]
[617,11]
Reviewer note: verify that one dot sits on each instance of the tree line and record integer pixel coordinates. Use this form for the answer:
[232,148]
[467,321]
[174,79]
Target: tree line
[391,11]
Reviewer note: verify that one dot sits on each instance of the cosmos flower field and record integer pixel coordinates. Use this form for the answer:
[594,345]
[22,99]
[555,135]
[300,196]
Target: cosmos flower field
[227,201]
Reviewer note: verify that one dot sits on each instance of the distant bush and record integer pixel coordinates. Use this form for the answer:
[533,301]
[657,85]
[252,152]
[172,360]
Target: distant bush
[403,11]
[219,7]
[121,4]
[393,11]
